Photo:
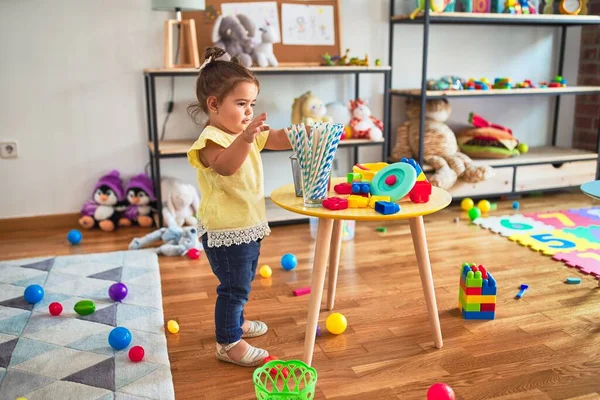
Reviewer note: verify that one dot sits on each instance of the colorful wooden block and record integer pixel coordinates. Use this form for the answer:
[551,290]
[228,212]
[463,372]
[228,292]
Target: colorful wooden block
[386,207]
[471,307]
[487,307]
[471,291]
[357,201]
[343,188]
[471,299]
[478,315]
[353,176]
[474,279]
[361,187]
[375,199]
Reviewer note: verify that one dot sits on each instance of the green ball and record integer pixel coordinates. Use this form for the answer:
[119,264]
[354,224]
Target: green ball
[474,213]
[85,307]
[523,148]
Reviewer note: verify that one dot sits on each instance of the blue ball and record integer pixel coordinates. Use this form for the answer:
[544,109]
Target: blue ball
[289,261]
[516,205]
[119,338]
[74,236]
[33,294]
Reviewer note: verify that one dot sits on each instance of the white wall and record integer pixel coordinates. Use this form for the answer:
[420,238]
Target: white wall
[72,95]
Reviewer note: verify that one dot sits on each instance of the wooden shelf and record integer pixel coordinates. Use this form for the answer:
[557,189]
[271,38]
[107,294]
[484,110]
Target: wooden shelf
[179,148]
[499,19]
[290,69]
[497,92]
[537,155]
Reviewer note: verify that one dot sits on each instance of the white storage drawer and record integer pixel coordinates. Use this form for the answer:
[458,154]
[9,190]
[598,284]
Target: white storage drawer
[501,183]
[546,176]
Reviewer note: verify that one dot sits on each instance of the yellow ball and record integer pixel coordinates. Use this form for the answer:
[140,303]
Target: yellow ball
[20,398]
[467,204]
[336,323]
[484,206]
[265,271]
[173,326]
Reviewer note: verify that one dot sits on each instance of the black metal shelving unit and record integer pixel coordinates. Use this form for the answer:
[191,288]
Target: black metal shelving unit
[155,153]
[429,18]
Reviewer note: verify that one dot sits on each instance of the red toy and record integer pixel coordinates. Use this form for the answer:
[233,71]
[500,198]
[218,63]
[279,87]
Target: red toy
[136,353]
[302,291]
[420,192]
[343,188]
[55,308]
[273,371]
[335,203]
[480,122]
[193,254]
[440,391]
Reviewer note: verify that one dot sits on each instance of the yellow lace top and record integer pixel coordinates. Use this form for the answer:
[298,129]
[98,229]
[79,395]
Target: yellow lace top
[232,208]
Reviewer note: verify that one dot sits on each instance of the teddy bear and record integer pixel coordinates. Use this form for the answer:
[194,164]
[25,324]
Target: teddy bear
[308,109]
[233,33]
[440,149]
[363,124]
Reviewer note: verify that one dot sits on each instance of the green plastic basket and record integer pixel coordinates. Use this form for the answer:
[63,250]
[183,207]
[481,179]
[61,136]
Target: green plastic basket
[270,382]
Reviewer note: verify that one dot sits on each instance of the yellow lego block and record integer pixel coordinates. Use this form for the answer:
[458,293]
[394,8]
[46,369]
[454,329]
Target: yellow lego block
[421,177]
[357,201]
[474,299]
[375,199]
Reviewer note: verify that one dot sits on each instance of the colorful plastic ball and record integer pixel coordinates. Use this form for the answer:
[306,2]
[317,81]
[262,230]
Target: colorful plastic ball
[515,205]
[318,330]
[55,308]
[289,261]
[523,148]
[440,391]
[484,206]
[173,326]
[117,291]
[136,353]
[336,323]
[20,398]
[265,271]
[467,204]
[33,294]
[119,338]
[193,254]
[84,307]
[474,213]
[74,236]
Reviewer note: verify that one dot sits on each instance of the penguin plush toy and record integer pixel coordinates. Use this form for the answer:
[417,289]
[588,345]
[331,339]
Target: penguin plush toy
[103,209]
[140,202]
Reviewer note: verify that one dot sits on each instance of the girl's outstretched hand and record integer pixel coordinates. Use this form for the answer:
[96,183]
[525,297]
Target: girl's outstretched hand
[255,127]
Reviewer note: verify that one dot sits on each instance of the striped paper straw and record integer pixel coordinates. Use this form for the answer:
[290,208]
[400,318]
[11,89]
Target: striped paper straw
[333,135]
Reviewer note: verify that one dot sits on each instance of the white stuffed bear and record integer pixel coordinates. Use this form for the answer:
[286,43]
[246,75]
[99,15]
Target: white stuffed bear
[263,51]
[181,203]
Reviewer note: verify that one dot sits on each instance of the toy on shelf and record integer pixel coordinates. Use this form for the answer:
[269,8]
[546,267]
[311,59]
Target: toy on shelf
[104,209]
[345,60]
[481,84]
[340,113]
[467,5]
[518,7]
[488,140]
[440,148]
[263,51]
[177,241]
[477,292]
[448,82]
[566,7]
[308,109]
[363,124]
[233,33]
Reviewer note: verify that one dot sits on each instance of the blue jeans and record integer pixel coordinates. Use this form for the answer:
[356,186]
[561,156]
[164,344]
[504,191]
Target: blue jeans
[235,267]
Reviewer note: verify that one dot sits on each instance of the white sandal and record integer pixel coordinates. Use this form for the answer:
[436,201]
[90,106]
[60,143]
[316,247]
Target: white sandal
[257,328]
[252,358]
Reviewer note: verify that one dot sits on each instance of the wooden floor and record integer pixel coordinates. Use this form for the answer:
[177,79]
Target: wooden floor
[543,346]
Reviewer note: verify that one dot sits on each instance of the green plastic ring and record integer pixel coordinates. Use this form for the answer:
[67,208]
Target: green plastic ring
[406,176]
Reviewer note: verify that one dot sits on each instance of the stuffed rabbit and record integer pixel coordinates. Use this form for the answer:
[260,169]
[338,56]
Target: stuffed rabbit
[181,203]
[234,35]
[263,52]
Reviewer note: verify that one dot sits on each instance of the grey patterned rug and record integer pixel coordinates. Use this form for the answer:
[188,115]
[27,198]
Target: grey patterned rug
[68,356]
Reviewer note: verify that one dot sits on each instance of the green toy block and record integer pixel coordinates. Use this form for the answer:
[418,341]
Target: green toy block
[471,307]
[474,279]
[353,176]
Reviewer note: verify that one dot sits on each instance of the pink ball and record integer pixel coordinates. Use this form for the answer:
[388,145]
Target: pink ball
[55,308]
[136,353]
[391,180]
[193,254]
[440,391]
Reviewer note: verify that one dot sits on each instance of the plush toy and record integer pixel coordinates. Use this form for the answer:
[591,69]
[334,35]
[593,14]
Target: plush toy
[340,114]
[103,208]
[363,124]
[234,35]
[177,241]
[308,109]
[141,202]
[263,52]
[181,203]
[441,149]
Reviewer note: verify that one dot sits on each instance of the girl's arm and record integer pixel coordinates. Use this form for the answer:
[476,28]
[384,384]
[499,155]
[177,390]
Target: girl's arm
[226,161]
[278,140]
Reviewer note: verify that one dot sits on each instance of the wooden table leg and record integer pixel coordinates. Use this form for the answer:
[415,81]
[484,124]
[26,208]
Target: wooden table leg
[334,262]
[417,230]
[316,286]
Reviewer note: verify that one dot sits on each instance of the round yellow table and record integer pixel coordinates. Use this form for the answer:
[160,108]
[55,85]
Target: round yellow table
[329,243]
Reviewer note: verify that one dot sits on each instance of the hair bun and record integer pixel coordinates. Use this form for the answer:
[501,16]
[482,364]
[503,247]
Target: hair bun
[213,53]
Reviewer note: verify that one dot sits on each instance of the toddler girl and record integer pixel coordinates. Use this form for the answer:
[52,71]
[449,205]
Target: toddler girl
[232,215]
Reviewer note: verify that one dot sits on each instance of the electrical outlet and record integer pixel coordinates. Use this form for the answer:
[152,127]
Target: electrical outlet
[8,150]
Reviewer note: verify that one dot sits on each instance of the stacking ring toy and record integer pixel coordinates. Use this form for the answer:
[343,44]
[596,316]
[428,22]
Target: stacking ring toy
[396,181]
